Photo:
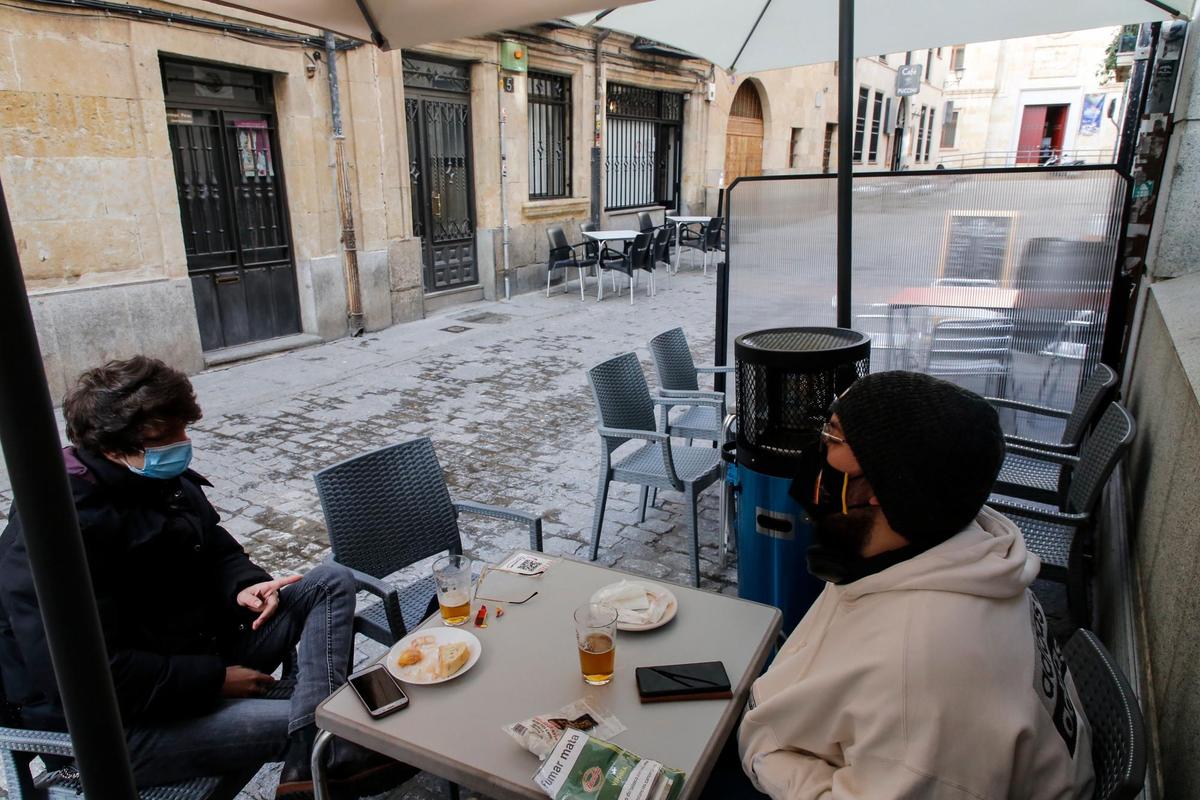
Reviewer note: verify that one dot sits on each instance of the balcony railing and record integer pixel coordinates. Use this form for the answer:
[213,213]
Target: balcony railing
[1037,157]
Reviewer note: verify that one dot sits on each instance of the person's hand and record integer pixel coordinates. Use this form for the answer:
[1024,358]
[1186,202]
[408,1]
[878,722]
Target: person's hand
[245,682]
[264,598]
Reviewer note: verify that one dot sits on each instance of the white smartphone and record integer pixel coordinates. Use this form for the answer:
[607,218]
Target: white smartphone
[378,691]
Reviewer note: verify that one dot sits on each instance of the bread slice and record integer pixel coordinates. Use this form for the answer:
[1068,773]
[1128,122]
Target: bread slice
[452,657]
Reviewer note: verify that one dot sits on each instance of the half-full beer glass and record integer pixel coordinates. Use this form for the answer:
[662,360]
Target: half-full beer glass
[454,588]
[596,636]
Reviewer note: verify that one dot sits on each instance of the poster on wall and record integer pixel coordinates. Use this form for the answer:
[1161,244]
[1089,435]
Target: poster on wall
[1093,112]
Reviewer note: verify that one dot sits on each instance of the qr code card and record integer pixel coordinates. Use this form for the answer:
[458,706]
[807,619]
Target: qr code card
[526,564]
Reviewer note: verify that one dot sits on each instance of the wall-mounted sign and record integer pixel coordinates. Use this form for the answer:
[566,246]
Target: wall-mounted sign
[1093,112]
[908,80]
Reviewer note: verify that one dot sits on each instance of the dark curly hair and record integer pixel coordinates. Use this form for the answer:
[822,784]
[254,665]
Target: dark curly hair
[113,408]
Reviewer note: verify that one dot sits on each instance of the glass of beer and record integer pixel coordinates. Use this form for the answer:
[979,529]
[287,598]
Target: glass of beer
[454,588]
[596,635]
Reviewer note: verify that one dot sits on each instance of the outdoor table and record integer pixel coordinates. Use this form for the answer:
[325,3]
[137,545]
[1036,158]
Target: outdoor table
[608,236]
[530,665]
[679,223]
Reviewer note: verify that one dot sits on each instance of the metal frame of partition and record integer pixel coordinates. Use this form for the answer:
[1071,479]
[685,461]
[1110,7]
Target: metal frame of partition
[1114,321]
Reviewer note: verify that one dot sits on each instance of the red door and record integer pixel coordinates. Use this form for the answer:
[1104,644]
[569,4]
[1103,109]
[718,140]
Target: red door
[1033,127]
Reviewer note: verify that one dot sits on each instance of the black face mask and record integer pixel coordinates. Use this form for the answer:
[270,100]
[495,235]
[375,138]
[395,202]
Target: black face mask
[840,527]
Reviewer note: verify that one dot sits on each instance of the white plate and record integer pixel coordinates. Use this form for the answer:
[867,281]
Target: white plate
[417,673]
[651,588]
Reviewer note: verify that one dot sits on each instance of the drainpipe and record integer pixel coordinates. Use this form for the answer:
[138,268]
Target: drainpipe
[354,312]
[599,121]
[503,187]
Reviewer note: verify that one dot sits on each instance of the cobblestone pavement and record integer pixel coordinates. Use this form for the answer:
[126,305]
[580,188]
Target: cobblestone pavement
[507,405]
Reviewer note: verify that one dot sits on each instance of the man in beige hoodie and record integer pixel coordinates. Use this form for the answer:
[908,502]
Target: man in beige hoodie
[925,668]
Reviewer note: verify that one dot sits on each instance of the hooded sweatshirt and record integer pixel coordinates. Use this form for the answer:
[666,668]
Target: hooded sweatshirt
[934,678]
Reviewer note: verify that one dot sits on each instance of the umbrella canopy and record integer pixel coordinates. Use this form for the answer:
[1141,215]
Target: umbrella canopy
[773,34]
[407,23]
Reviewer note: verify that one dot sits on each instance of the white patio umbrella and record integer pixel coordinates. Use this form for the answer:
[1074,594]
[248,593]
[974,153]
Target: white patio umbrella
[406,23]
[747,36]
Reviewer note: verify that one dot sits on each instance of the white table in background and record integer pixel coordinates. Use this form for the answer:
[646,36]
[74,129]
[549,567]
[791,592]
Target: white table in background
[530,665]
[608,236]
[679,223]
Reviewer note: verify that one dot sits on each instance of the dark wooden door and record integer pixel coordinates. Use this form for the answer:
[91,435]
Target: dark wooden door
[437,114]
[235,228]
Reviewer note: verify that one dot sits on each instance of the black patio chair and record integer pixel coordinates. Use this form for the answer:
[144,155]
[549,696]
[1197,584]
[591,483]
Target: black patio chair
[1062,537]
[1038,479]
[19,746]
[646,222]
[563,256]
[625,412]
[1113,713]
[660,250]
[708,239]
[388,509]
[591,249]
[629,263]
[678,377]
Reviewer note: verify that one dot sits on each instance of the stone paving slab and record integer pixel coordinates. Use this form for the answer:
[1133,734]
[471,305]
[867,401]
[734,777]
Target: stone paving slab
[508,408]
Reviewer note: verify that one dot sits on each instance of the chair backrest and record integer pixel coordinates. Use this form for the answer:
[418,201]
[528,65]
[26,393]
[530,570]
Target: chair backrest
[388,508]
[621,394]
[1097,391]
[645,221]
[712,232]
[661,248]
[590,246]
[640,254]
[559,249]
[1098,458]
[984,282]
[673,361]
[971,340]
[1113,713]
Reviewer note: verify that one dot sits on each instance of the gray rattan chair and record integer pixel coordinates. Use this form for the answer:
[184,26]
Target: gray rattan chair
[19,746]
[678,377]
[1112,711]
[1062,538]
[1038,479]
[388,509]
[625,412]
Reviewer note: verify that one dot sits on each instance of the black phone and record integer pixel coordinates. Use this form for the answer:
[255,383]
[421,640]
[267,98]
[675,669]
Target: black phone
[378,691]
[706,680]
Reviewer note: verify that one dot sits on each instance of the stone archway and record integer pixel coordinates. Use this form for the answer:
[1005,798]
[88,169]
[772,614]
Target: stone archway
[744,134]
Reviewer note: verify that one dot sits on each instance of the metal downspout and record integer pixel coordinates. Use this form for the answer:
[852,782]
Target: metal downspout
[503,187]
[599,121]
[354,312]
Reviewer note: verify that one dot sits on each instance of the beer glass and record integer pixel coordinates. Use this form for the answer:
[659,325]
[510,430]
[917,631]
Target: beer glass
[596,636]
[454,588]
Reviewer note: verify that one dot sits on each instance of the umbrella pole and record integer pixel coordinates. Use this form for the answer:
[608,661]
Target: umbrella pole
[845,178]
[32,451]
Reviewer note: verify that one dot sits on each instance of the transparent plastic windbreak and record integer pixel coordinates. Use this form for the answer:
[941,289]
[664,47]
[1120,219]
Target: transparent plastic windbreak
[998,281]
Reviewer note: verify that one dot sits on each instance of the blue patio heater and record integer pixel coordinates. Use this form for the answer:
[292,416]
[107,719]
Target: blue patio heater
[786,380]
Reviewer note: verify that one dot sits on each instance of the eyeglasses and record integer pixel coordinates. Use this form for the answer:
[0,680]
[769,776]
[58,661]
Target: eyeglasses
[829,436]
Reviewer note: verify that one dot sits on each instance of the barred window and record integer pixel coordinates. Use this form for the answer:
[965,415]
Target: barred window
[549,135]
[929,135]
[876,122]
[860,123]
[644,147]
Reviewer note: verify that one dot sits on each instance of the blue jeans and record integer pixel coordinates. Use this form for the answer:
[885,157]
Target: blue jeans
[315,613]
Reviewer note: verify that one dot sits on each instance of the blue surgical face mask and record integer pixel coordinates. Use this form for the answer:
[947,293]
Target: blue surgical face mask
[168,461]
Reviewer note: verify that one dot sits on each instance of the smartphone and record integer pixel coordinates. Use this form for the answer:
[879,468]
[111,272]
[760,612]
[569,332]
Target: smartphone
[378,691]
[706,680]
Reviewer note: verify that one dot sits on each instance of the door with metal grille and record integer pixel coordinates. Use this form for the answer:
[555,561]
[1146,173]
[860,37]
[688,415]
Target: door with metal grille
[231,203]
[438,118]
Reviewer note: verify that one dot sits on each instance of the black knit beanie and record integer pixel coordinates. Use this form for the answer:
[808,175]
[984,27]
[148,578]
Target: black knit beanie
[931,450]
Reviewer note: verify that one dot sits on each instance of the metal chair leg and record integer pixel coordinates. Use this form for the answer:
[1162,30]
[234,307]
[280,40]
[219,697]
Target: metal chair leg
[693,529]
[580,270]
[549,272]
[598,516]
[642,503]
[317,764]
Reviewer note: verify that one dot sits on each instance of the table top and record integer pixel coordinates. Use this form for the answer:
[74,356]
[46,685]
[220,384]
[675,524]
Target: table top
[530,665]
[956,297]
[608,236]
[687,220]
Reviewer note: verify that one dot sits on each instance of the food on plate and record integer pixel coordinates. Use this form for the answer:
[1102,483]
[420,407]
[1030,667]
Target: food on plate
[412,655]
[452,657]
[423,641]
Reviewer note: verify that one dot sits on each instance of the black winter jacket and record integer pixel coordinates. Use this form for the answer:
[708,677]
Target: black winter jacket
[166,577]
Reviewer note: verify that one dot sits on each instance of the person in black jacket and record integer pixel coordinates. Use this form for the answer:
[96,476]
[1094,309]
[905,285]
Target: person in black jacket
[192,626]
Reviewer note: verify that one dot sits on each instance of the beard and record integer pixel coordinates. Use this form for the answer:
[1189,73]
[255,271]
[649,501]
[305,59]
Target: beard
[836,552]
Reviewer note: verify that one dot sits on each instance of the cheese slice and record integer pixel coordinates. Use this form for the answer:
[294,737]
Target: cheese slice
[452,657]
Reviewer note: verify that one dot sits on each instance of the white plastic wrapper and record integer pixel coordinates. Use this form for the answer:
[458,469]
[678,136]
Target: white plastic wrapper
[540,733]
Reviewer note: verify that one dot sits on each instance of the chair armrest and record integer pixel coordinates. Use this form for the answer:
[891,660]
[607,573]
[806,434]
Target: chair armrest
[20,740]
[700,393]
[1032,408]
[1065,459]
[385,592]
[727,369]
[690,400]
[532,521]
[1033,512]
[633,433]
[1040,444]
